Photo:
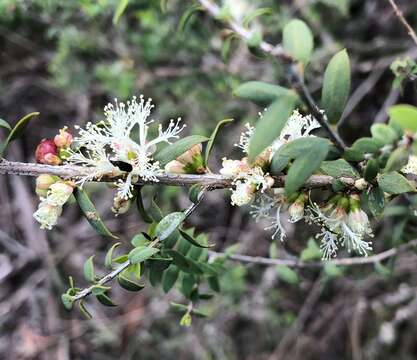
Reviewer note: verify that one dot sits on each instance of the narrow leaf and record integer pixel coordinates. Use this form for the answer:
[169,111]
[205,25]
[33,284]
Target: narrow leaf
[191,240]
[404,116]
[108,262]
[5,124]
[171,152]
[17,131]
[261,93]
[395,183]
[297,40]
[90,212]
[270,125]
[213,138]
[336,86]
[141,208]
[121,7]
[168,224]
[304,166]
[169,278]
[89,273]
[140,254]
[185,18]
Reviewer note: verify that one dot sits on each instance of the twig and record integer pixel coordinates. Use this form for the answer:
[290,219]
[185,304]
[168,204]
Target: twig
[300,264]
[210,181]
[110,276]
[292,75]
[403,20]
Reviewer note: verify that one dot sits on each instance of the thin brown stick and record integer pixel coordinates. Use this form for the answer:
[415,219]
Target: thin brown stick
[210,181]
[300,264]
[403,20]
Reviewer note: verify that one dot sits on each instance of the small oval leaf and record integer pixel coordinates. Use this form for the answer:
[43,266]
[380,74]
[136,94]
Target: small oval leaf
[336,86]
[297,40]
[168,224]
[140,254]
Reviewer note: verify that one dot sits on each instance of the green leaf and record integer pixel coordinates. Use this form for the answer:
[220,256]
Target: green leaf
[397,159]
[287,274]
[395,183]
[371,170]
[186,320]
[187,284]
[155,212]
[261,93]
[68,301]
[254,14]
[293,149]
[191,240]
[270,125]
[89,273]
[141,208]
[375,200]
[140,240]
[126,283]
[297,40]
[121,7]
[367,145]
[311,252]
[168,224]
[169,278]
[184,264]
[404,116]
[333,271]
[91,214]
[213,136]
[304,166]
[5,124]
[108,262]
[384,133]
[140,254]
[17,131]
[341,5]
[185,18]
[84,310]
[99,289]
[105,300]
[171,152]
[336,86]
[338,168]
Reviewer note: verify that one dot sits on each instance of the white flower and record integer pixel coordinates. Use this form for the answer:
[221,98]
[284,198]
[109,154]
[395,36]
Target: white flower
[328,244]
[411,166]
[108,141]
[245,138]
[341,228]
[47,215]
[297,126]
[234,168]
[59,193]
[243,193]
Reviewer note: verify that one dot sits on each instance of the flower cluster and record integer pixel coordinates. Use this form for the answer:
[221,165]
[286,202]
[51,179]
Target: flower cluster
[122,138]
[54,151]
[343,223]
[53,193]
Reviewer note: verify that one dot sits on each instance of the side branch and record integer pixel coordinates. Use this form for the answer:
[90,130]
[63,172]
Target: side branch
[292,75]
[210,181]
[259,260]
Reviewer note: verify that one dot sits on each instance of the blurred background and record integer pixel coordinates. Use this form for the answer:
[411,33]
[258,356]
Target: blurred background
[66,60]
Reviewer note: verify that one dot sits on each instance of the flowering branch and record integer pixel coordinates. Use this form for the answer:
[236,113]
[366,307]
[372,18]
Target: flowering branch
[211,181]
[292,75]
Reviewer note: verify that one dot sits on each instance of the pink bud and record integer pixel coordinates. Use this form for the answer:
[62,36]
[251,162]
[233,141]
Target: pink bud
[47,153]
[63,139]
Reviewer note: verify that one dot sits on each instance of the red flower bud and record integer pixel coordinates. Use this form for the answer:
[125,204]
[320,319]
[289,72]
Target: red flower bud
[47,153]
